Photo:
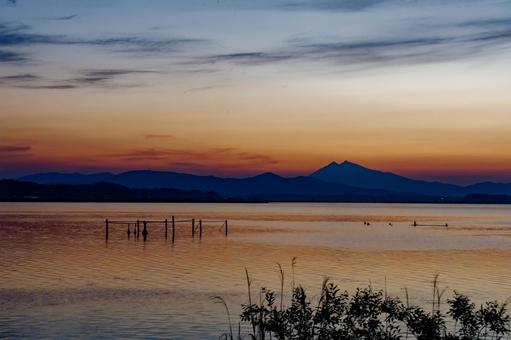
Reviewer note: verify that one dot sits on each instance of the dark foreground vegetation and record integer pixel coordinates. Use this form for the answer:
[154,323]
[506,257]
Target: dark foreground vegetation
[367,314]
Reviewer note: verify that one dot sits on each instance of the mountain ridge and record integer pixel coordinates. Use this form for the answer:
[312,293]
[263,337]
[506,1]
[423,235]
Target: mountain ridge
[266,183]
[332,179]
[360,176]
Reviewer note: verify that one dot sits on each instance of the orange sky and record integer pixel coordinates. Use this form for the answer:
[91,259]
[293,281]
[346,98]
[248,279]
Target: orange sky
[243,101]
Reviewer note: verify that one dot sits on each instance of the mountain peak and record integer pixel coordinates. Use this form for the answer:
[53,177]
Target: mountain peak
[267,175]
[355,175]
[346,162]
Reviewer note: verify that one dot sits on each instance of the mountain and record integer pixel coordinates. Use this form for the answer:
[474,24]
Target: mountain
[489,187]
[349,173]
[264,184]
[344,179]
[67,178]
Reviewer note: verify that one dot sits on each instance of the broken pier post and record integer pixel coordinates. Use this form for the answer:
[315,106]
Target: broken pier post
[145,232]
[173,229]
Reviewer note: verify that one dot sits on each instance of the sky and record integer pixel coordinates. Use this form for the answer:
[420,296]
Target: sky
[236,88]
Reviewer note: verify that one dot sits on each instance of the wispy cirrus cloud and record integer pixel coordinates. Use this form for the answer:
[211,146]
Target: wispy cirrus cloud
[86,78]
[14,34]
[491,22]
[19,77]
[408,48]
[330,5]
[61,18]
[48,87]
[105,76]
[13,57]
[452,39]
[248,58]
[290,5]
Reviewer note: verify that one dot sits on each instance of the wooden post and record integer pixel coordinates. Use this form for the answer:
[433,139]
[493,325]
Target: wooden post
[129,230]
[144,232]
[138,229]
[226,228]
[193,227]
[173,229]
[166,228]
[200,228]
[106,229]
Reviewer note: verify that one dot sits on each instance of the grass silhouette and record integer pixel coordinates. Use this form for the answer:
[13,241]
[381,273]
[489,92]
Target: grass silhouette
[367,314]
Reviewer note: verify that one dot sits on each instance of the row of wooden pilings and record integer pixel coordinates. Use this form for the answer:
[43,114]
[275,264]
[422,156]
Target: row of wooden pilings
[173,221]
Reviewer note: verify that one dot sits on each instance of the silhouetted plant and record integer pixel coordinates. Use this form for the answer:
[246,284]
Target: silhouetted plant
[493,320]
[368,315]
[331,308]
[423,325]
[463,313]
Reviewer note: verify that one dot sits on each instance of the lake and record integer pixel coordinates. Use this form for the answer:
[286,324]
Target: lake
[60,279]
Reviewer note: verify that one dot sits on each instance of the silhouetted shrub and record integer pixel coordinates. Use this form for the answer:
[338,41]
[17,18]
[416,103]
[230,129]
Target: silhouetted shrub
[369,314]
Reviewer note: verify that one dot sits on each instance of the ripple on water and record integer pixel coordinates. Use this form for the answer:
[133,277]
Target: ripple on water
[59,279]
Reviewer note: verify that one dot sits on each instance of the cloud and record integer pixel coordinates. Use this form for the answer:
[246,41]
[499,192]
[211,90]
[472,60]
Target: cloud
[14,148]
[87,78]
[63,18]
[247,58]
[48,87]
[25,76]
[150,154]
[14,34]
[493,22]
[219,156]
[17,34]
[12,57]
[331,5]
[290,5]
[32,81]
[158,136]
[7,151]
[134,44]
[403,49]
[455,40]
[105,76]
[17,80]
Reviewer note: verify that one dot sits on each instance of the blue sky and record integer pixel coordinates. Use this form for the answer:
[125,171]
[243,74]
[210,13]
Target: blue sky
[284,85]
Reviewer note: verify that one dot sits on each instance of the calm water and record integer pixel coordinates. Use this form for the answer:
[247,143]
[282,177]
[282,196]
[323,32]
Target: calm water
[59,279]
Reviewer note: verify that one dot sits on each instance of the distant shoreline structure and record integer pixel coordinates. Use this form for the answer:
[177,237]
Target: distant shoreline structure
[22,191]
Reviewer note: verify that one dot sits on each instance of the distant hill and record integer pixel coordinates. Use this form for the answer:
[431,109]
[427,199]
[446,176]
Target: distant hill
[267,183]
[489,187]
[67,178]
[12,190]
[21,191]
[348,173]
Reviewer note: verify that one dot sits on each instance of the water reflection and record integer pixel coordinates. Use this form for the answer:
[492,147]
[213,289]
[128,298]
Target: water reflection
[59,279]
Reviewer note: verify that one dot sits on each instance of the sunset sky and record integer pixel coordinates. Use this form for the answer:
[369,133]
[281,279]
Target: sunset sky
[418,87]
